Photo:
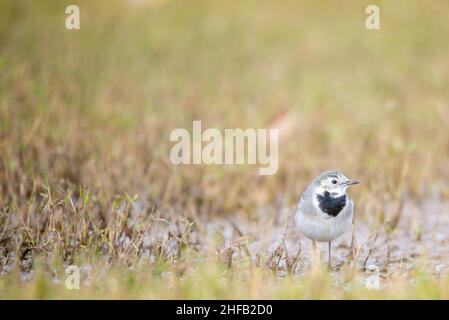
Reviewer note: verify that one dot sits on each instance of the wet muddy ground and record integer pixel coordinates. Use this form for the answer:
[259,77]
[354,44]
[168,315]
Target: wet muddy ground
[421,235]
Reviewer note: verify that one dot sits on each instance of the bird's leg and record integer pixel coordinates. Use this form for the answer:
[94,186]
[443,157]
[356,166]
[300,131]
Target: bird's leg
[330,257]
[314,249]
[315,253]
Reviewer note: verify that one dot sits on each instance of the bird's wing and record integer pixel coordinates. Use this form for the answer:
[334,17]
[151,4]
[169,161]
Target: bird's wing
[307,207]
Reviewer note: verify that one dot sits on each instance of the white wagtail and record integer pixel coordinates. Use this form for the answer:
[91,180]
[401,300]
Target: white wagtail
[325,210]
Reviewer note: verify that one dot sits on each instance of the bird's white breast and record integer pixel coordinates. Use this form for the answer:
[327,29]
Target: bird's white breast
[324,228]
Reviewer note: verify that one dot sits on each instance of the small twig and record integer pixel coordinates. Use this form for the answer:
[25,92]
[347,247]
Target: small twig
[387,261]
[370,250]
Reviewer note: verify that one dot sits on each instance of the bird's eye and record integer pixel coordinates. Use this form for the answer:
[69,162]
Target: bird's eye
[334,181]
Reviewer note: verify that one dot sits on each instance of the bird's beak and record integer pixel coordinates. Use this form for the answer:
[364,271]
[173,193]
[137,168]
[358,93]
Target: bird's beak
[350,182]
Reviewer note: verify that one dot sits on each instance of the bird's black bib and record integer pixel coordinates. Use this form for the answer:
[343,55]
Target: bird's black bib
[331,206]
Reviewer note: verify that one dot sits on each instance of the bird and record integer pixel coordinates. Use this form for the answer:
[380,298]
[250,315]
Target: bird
[325,211]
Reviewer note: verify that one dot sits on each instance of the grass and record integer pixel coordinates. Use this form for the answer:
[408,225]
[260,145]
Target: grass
[85,120]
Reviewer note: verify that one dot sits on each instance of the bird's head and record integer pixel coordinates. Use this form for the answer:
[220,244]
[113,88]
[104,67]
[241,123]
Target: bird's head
[334,182]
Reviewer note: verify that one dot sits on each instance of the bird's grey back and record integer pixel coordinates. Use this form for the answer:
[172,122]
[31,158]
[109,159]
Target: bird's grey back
[305,204]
